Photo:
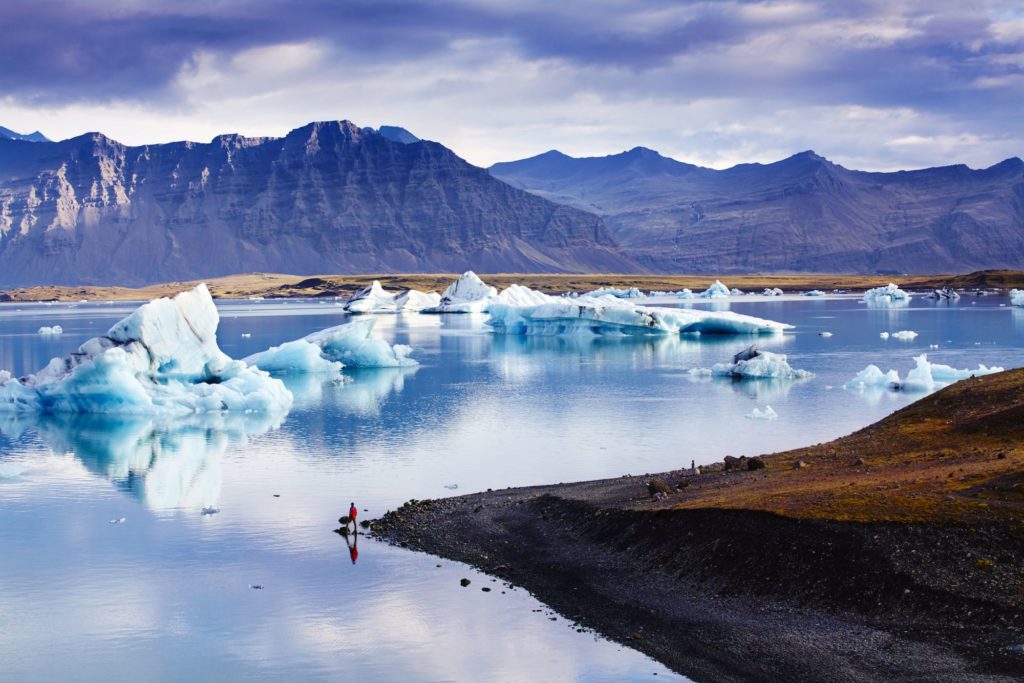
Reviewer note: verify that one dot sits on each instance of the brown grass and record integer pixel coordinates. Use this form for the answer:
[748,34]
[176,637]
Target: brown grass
[954,456]
[276,284]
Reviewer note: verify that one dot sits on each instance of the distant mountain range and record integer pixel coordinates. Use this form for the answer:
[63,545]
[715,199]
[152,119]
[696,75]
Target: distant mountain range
[332,197]
[803,213]
[329,197]
[8,134]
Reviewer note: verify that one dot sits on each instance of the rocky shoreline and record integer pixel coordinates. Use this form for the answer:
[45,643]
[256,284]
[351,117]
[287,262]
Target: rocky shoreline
[897,582]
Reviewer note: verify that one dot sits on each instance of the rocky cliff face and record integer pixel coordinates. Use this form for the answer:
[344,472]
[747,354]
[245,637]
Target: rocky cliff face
[803,213]
[328,197]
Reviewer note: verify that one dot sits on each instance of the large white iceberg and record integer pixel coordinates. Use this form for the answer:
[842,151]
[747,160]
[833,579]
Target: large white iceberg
[161,359]
[375,299]
[716,291]
[1017,297]
[924,377]
[607,315]
[753,363]
[468,294]
[772,291]
[890,295]
[328,351]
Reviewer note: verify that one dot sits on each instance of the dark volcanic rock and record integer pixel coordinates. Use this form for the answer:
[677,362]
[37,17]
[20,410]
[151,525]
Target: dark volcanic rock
[803,213]
[328,197]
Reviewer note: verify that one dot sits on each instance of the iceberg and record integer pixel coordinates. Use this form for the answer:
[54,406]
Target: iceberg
[890,295]
[904,335]
[753,363]
[1017,297]
[773,291]
[924,377]
[468,294]
[161,359]
[944,294]
[607,315]
[684,294]
[375,299]
[883,335]
[329,350]
[766,414]
[716,291]
[54,331]
[735,292]
[871,377]
[814,292]
[631,293]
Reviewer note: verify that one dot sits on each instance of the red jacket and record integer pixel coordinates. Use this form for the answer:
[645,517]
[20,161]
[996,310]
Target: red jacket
[352,512]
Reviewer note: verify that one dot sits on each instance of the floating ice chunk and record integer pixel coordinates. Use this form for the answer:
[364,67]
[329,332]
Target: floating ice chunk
[933,346]
[51,331]
[946,293]
[246,335]
[924,377]
[735,292]
[872,376]
[883,335]
[755,364]
[1017,297]
[890,295]
[518,295]
[610,316]
[372,299]
[163,358]
[824,334]
[684,294]
[294,358]
[119,520]
[716,291]
[766,414]
[631,293]
[905,335]
[814,292]
[468,294]
[774,291]
[699,372]
[415,300]
[328,351]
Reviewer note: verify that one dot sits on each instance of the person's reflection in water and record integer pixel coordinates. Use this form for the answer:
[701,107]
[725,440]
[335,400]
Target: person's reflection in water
[352,541]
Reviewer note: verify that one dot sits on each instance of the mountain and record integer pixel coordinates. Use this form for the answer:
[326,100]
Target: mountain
[398,134]
[7,133]
[329,197]
[803,213]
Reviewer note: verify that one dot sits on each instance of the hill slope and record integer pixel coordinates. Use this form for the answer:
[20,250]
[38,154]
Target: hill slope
[328,197]
[802,214]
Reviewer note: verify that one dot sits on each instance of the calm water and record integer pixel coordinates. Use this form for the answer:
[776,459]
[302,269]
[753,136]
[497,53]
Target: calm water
[166,594]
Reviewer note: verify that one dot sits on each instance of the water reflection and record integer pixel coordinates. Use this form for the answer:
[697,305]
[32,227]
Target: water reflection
[165,463]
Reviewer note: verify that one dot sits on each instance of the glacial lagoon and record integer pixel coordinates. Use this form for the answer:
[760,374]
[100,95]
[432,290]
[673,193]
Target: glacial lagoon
[202,548]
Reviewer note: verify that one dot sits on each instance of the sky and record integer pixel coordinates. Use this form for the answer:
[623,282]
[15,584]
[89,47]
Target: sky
[876,85]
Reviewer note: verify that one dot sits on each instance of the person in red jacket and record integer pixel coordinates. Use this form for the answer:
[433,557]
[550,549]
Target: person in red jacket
[352,512]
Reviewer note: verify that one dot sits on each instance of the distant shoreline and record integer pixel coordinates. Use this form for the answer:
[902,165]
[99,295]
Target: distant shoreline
[895,553]
[269,285]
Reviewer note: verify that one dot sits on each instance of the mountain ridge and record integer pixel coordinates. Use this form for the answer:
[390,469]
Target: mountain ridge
[803,213]
[329,196]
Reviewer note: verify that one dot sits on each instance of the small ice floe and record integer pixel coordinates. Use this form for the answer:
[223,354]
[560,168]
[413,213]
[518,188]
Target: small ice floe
[1017,297]
[890,295]
[944,294]
[924,377]
[246,335]
[933,346]
[824,334]
[631,293]
[51,331]
[209,510]
[774,291]
[696,373]
[766,414]
[752,363]
[905,335]
[119,520]
[814,292]
[883,335]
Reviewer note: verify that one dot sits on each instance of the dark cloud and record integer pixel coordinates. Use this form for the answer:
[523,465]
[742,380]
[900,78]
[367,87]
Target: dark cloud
[926,55]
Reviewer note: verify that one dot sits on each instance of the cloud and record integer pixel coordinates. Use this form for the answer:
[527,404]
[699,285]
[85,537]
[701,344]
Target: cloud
[497,80]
